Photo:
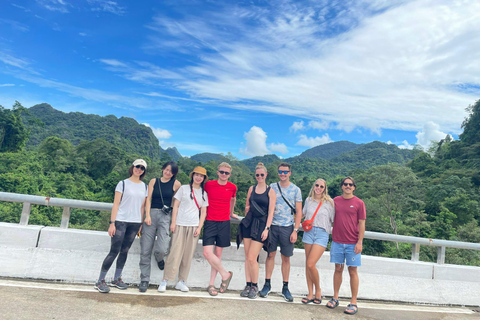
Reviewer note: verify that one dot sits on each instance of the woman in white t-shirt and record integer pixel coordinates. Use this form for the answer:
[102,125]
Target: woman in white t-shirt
[125,223]
[185,227]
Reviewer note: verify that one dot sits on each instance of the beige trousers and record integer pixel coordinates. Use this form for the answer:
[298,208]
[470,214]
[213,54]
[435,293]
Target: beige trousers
[182,248]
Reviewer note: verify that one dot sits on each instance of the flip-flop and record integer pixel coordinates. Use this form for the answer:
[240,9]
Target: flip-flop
[334,303]
[317,301]
[306,300]
[225,283]
[212,290]
[351,307]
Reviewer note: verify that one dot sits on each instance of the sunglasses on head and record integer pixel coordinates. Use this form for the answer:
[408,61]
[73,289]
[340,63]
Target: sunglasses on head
[346,184]
[224,172]
[140,167]
[260,174]
[283,171]
[319,186]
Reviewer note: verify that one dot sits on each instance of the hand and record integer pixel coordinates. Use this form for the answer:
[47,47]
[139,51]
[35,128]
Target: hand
[264,235]
[293,237]
[148,221]
[111,230]
[358,248]
[172,228]
[234,216]
[197,232]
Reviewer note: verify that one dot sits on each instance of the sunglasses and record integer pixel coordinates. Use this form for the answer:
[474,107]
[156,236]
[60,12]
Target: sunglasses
[224,172]
[284,171]
[319,186]
[260,174]
[140,167]
[346,184]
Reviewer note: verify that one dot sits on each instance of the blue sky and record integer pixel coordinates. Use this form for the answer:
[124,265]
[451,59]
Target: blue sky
[250,77]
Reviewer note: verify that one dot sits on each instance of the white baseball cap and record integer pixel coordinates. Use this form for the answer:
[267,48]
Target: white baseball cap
[140,162]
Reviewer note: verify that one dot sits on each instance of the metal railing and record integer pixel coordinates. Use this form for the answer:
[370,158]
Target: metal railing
[67,204]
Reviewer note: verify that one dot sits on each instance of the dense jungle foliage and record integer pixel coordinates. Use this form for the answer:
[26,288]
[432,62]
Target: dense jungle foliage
[433,194]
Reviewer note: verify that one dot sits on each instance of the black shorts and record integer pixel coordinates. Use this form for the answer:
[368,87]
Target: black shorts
[281,235]
[247,232]
[216,233]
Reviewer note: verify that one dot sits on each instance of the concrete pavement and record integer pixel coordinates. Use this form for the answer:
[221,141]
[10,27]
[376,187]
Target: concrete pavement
[23,299]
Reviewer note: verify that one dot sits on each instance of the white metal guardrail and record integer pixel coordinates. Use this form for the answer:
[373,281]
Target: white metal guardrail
[416,242]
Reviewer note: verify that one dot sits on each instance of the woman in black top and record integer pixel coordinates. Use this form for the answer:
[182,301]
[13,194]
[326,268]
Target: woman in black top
[158,215]
[255,227]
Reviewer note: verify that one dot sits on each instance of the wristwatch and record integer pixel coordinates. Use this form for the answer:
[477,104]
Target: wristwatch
[296,230]
[267,228]
[112,222]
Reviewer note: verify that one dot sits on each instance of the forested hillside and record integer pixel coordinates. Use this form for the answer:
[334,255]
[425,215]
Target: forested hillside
[329,150]
[435,195]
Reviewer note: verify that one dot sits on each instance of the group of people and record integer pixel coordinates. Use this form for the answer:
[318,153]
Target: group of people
[273,214]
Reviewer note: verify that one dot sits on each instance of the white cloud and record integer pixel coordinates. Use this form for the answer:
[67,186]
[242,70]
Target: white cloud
[256,142]
[297,125]
[394,67]
[406,145]
[431,132]
[279,147]
[159,133]
[7,85]
[82,34]
[312,142]
[107,6]
[319,125]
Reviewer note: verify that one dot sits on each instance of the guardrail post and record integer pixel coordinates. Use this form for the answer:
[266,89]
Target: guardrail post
[441,255]
[415,252]
[25,213]
[65,218]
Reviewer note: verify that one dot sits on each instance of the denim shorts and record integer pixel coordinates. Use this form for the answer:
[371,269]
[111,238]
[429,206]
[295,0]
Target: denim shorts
[316,236]
[339,253]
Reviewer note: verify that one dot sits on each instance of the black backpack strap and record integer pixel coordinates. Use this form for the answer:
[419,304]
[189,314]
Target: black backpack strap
[288,203]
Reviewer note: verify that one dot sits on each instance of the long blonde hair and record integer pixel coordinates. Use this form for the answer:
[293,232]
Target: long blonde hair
[324,196]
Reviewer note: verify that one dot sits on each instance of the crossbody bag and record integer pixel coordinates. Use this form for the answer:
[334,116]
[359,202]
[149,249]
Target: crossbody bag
[281,193]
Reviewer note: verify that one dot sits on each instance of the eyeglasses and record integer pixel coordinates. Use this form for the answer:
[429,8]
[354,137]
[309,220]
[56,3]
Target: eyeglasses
[140,167]
[283,171]
[224,172]
[346,184]
[319,186]
[260,174]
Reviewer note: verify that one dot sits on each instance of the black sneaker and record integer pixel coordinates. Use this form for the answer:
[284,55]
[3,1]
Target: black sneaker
[143,286]
[119,284]
[101,286]
[266,290]
[161,264]
[245,292]
[286,294]
[253,292]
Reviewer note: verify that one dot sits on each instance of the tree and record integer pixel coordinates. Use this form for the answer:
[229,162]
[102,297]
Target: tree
[13,134]
[471,124]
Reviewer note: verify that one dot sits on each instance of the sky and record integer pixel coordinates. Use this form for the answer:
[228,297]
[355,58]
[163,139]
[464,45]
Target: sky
[250,77]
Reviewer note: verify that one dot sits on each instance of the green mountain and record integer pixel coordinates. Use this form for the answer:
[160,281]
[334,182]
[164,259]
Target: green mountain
[173,153]
[329,150]
[266,160]
[124,133]
[208,156]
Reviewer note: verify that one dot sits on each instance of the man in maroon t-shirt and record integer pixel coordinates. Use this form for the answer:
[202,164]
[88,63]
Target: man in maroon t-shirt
[347,234]
[216,230]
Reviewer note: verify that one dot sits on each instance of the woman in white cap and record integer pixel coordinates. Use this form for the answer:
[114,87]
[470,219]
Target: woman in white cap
[125,223]
[188,216]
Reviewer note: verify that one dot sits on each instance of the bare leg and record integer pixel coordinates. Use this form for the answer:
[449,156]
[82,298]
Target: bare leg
[285,267]
[354,282]
[214,259]
[270,264]
[315,253]
[308,248]
[337,279]
[246,246]
[253,253]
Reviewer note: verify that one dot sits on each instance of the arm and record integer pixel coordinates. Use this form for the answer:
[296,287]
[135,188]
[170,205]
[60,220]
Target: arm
[148,204]
[247,204]
[113,216]
[298,219]
[232,208]
[174,216]
[176,186]
[361,234]
[272,197]
[203,214]
[142,212]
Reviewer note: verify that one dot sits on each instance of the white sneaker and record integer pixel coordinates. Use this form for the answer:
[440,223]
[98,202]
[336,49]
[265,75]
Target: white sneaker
[181,286]
[163,286]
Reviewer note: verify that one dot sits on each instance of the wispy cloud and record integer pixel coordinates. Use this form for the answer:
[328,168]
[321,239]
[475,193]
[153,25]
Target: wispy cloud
[380,64]
[54,5]
[15,25]
[312,142]
[7,85]
[107,6]
[141,71]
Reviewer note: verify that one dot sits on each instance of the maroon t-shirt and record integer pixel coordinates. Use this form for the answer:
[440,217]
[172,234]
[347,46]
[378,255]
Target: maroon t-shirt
[347,214]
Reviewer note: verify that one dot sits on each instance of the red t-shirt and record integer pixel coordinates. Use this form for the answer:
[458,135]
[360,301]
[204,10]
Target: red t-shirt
[345,223]
[219,198]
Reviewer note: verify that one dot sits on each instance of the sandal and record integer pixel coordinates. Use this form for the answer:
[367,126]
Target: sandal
[317,301]
[352,307]
[225,283]
[212,290]
[306,300]
[332,304]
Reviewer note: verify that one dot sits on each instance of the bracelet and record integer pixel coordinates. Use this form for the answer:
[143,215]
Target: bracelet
[112,222]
